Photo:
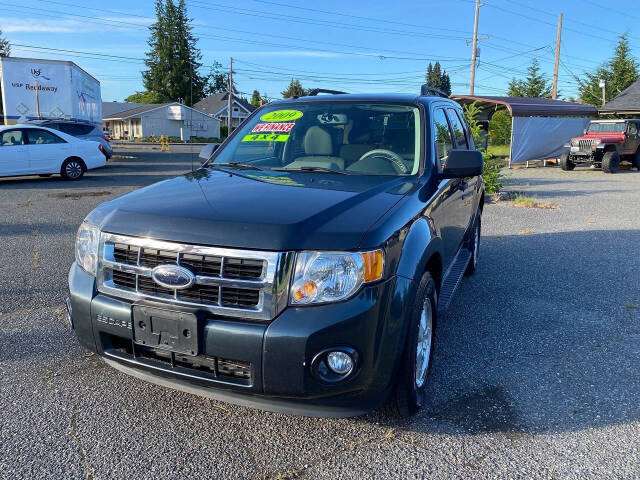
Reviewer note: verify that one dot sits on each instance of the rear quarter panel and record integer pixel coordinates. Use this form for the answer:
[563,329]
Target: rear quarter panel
[89,152]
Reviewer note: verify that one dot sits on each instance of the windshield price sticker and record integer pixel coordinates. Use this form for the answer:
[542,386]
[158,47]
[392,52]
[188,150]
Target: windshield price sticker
[281,116]
[265,137]
[273,127]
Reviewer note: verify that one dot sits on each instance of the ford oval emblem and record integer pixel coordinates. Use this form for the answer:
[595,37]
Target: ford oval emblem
[174,277]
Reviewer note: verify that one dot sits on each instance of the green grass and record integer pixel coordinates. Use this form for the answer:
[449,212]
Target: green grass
[499,149]
[524,201]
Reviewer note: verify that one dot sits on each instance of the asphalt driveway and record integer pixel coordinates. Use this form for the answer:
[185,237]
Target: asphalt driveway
[536,370]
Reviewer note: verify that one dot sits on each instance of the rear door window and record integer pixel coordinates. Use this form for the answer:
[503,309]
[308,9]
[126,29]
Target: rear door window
[459,133]
[11,138]
[42,137]
[442,134]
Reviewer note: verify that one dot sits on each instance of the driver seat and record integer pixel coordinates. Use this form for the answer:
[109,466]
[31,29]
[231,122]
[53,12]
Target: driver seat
[318,149]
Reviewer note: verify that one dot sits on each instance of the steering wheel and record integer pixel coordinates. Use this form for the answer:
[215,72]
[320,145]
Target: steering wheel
[393,158]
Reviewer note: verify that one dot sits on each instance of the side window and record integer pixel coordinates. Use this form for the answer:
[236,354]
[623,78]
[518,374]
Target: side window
[633,128]
[11,138]
[42,137]
[443,140]
[67,128]
[459,132]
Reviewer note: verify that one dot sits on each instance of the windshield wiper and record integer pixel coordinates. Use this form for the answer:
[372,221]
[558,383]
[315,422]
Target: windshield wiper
[314,169]
[238,164]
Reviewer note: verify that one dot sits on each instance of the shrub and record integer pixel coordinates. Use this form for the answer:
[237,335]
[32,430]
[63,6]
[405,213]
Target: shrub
[500,128]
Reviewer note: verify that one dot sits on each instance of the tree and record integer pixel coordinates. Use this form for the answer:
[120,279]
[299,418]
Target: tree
[144,97]
[174,59]
[218,80]
[256,99]
[534,85]
[5,46]
[438,79]
[618,73]
[294,90]
[500,128]
[5,51]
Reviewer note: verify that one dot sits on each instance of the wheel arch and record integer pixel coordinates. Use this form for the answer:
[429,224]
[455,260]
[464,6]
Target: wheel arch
[421,251]
[75,157]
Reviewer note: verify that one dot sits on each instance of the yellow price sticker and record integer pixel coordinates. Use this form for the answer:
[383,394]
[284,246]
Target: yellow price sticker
[281,116]
[265,137]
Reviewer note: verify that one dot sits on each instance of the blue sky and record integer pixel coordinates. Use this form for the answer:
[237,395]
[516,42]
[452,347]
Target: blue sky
[357,46]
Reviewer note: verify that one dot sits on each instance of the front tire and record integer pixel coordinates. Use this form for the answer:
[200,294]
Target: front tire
[72,169]
[610,162]
[565,162]
[410,390]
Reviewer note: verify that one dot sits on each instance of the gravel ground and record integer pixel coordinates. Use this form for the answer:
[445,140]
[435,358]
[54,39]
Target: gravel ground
[535,372]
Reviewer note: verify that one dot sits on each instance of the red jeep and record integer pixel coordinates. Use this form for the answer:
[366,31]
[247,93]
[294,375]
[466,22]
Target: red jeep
[604,144]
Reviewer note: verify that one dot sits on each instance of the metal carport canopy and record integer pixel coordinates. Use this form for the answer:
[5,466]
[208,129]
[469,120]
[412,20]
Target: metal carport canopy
[530,107]
[540,127]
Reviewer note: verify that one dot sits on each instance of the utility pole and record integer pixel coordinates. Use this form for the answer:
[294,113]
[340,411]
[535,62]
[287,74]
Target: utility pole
[474,42]
[230,99]
[554,93]
[603,86]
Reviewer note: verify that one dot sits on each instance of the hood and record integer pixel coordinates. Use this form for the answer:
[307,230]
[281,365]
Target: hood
[254,209]
[605,137]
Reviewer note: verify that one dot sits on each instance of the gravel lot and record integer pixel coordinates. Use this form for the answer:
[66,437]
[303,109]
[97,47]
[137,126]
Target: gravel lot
[535,373]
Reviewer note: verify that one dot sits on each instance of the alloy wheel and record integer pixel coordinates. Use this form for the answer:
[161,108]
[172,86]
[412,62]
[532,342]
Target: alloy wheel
[73,169]
[423,344]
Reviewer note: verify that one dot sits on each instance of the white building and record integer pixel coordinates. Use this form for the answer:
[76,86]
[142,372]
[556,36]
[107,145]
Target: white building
[217,105]
[171,119]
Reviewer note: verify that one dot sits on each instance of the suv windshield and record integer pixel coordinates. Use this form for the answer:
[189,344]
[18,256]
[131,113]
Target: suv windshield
[344,137]
[607,127]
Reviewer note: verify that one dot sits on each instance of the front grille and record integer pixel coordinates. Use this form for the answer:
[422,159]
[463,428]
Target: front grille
[585,146]
[239,283]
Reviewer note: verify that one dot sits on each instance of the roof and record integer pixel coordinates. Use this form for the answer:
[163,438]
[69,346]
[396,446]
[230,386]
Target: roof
[533,107]
[626,102]
[132,112]
[113,108]
[219,101]
[45,60]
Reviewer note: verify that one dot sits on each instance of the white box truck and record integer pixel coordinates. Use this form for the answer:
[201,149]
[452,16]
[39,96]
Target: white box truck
[36,88]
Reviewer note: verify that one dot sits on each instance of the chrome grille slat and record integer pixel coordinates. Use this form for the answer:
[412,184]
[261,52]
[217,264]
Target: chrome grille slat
[259,297]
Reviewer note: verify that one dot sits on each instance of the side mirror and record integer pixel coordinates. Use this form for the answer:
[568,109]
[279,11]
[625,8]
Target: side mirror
[463,163]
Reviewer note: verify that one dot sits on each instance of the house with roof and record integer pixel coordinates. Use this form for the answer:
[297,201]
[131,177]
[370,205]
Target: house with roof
[217,105]
[154,119]
[626,102]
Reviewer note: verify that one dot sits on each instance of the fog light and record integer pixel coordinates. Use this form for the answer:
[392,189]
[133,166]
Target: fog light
[340,362]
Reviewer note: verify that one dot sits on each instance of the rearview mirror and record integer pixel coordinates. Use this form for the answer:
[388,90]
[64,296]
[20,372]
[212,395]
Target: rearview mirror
[463,163]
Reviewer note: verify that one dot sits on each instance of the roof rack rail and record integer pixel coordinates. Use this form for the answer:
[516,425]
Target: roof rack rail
[316,91]
[426,90]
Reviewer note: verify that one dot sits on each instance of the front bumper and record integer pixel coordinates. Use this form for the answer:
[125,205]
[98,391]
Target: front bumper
[279,352]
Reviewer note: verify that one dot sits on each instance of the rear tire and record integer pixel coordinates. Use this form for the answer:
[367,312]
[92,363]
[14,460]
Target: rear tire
[475,247]
[72,169]
[610,162]
[410,390]
[565,162]
[636,160]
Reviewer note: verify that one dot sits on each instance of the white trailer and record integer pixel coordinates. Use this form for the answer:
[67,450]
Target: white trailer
[36,88]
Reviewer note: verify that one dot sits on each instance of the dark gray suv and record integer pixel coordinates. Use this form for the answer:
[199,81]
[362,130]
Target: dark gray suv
[78,129]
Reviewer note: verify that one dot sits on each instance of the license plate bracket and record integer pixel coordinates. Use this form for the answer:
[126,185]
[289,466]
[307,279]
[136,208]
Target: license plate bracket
[170,330]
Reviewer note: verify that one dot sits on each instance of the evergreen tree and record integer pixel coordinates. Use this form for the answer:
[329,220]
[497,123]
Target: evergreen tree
[174,59]
[618,73]
[438,79]
[256,99]
[143,97]
[535,85]
[294,90]
[5,51]
[218,80]
[5,46]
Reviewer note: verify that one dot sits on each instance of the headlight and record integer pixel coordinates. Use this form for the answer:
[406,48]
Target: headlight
[322,277]
[87,247]
[574,143]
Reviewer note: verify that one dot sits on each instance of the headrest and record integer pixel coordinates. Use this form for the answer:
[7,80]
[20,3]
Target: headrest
[317,141]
